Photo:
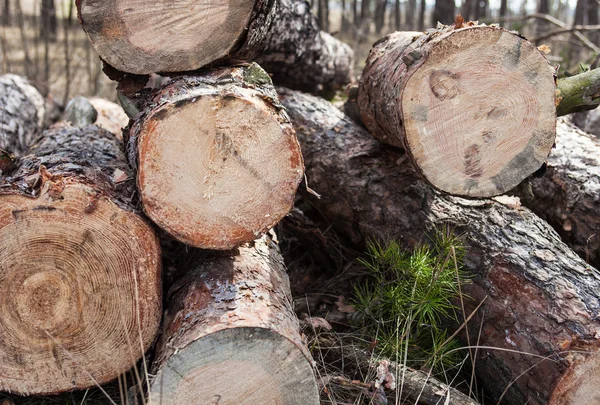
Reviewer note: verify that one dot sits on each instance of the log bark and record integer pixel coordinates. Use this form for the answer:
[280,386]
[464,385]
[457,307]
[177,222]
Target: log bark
[80,273]
[454,98]
[22,115]
[301,56]
[568,195]
[231,336]
[187,36]
[542,299]
[217,160]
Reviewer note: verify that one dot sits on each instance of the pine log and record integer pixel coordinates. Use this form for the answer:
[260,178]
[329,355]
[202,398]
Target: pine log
[231,336]
[474,106]
[80,273]
[21,115]
[568,195]
[542,299]
[143,37]
[111,116]
[299,55]
[217,159]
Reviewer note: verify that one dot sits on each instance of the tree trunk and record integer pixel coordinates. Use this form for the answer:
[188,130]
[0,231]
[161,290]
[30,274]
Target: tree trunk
[49,22]
[6,21]
[446,99]
[503,8]
[542,25]
[22,114]
[217,159]
[567,195]
[231,335]
[409,15]
[344,23]
[365,17]
[542,299]
[466,9]
[81,275]
[380,16]
[422,15]
[283,35]
[443,12]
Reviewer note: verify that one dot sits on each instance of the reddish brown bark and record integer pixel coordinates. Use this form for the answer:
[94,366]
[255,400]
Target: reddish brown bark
[231,335]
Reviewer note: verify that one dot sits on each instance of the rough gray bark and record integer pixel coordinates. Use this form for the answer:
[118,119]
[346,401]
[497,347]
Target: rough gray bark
[22,112]
[299,55]
[568,195]
[588,121]
[542,299]
[81,273]
[80,112]
[231,335]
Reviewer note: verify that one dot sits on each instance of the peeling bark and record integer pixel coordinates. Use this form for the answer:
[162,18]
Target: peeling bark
[542,299]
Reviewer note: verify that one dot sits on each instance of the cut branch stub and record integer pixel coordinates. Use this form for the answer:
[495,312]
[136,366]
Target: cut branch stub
[231,335]
[80,290]
[218,162]
[474,107]
[142,37]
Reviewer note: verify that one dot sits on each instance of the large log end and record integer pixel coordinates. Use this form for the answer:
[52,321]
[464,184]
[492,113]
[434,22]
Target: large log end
[217,167]
[164,36]
[80,289]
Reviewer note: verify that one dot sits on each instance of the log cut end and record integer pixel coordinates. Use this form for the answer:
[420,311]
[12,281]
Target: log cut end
[80,293]
[216,170]
[139,37]
[580,383]
[479,111]
[245,365]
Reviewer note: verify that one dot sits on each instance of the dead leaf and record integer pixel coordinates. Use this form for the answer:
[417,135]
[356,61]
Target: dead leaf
[317,323]
[343,307]
[119,176]
[459,22]
[545,49]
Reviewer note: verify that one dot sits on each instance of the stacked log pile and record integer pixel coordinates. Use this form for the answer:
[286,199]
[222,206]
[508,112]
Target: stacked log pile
[212,159]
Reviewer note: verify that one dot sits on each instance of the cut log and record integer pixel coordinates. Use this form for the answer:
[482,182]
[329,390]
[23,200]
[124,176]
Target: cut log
[142,37]
[474,107]
[568,195]
[218,162]
[80,112]
[231,336]
[111,116]
[542,299]
[22,114]
[80,279]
